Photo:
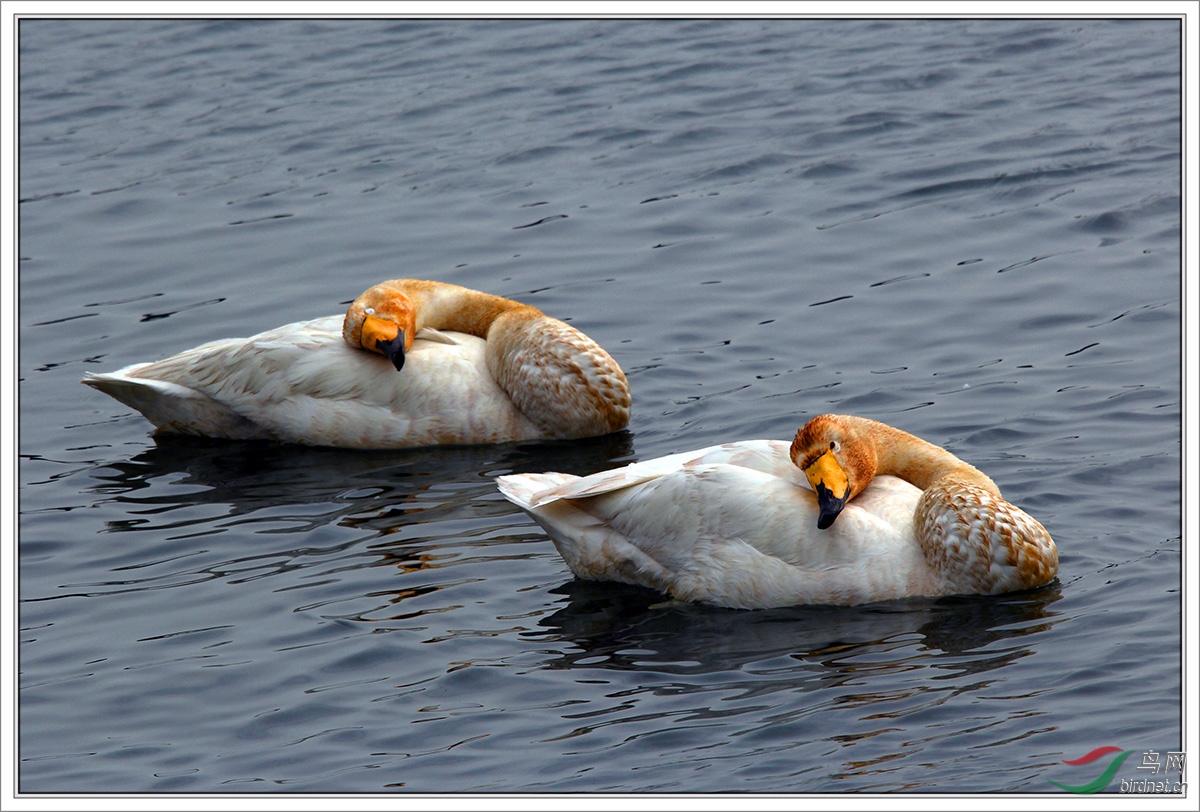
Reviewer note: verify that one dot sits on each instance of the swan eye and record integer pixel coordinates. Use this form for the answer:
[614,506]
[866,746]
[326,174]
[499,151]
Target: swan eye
[370,311]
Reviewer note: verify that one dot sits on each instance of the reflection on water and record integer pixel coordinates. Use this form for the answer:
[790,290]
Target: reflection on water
[380,491]
[801,687]
[606,622]
[253,476]
[320,511]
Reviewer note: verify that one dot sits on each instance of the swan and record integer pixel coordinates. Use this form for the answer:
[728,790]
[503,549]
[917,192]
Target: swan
[852,511]
[412,363]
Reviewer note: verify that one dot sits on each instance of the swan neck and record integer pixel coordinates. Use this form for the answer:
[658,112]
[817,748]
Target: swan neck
[922,463]
[450,307]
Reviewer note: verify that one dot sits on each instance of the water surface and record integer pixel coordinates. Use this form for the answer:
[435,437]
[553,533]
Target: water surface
[968,228]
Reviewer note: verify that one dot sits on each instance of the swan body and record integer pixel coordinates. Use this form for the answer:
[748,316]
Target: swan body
[745,525]
[412,363]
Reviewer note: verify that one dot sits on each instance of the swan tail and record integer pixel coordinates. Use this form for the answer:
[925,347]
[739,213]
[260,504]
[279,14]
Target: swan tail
[531,491]
[172,408]
[593,550]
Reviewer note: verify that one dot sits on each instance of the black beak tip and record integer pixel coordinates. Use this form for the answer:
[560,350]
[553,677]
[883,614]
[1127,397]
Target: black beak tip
[394,350]
[829,506]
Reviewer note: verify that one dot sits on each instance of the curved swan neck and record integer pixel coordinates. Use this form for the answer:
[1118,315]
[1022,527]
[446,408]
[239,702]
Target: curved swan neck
[910,458]
[443,306]
[564,383]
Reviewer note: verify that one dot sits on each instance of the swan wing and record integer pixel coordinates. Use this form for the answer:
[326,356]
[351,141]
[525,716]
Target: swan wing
[536,490]
[301,383]
[727,534]
[432,334]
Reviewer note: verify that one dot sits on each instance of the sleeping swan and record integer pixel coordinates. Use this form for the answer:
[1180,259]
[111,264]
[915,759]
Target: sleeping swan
[853,511]
[413,363]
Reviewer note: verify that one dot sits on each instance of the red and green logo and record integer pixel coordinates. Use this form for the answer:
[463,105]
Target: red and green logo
[1103,779]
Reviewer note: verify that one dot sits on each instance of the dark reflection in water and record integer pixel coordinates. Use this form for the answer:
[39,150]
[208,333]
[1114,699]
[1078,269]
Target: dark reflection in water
[805,693]
[607,621]
[257,476]
[188,510]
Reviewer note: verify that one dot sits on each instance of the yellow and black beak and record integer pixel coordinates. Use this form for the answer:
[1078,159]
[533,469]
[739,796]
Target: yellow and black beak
[384,337]
[832,487]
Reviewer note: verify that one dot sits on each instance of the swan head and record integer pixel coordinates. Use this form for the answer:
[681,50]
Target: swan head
[381,320]
[838,458]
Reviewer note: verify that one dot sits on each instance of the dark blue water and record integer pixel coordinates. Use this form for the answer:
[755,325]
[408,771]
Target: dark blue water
[968,228]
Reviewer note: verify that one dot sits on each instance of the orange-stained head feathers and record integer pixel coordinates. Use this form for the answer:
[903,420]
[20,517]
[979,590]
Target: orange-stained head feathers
[838,461]
[382,320]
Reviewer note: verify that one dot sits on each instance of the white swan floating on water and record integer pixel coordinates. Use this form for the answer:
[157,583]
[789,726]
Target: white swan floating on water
[853,511]
[477,368]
